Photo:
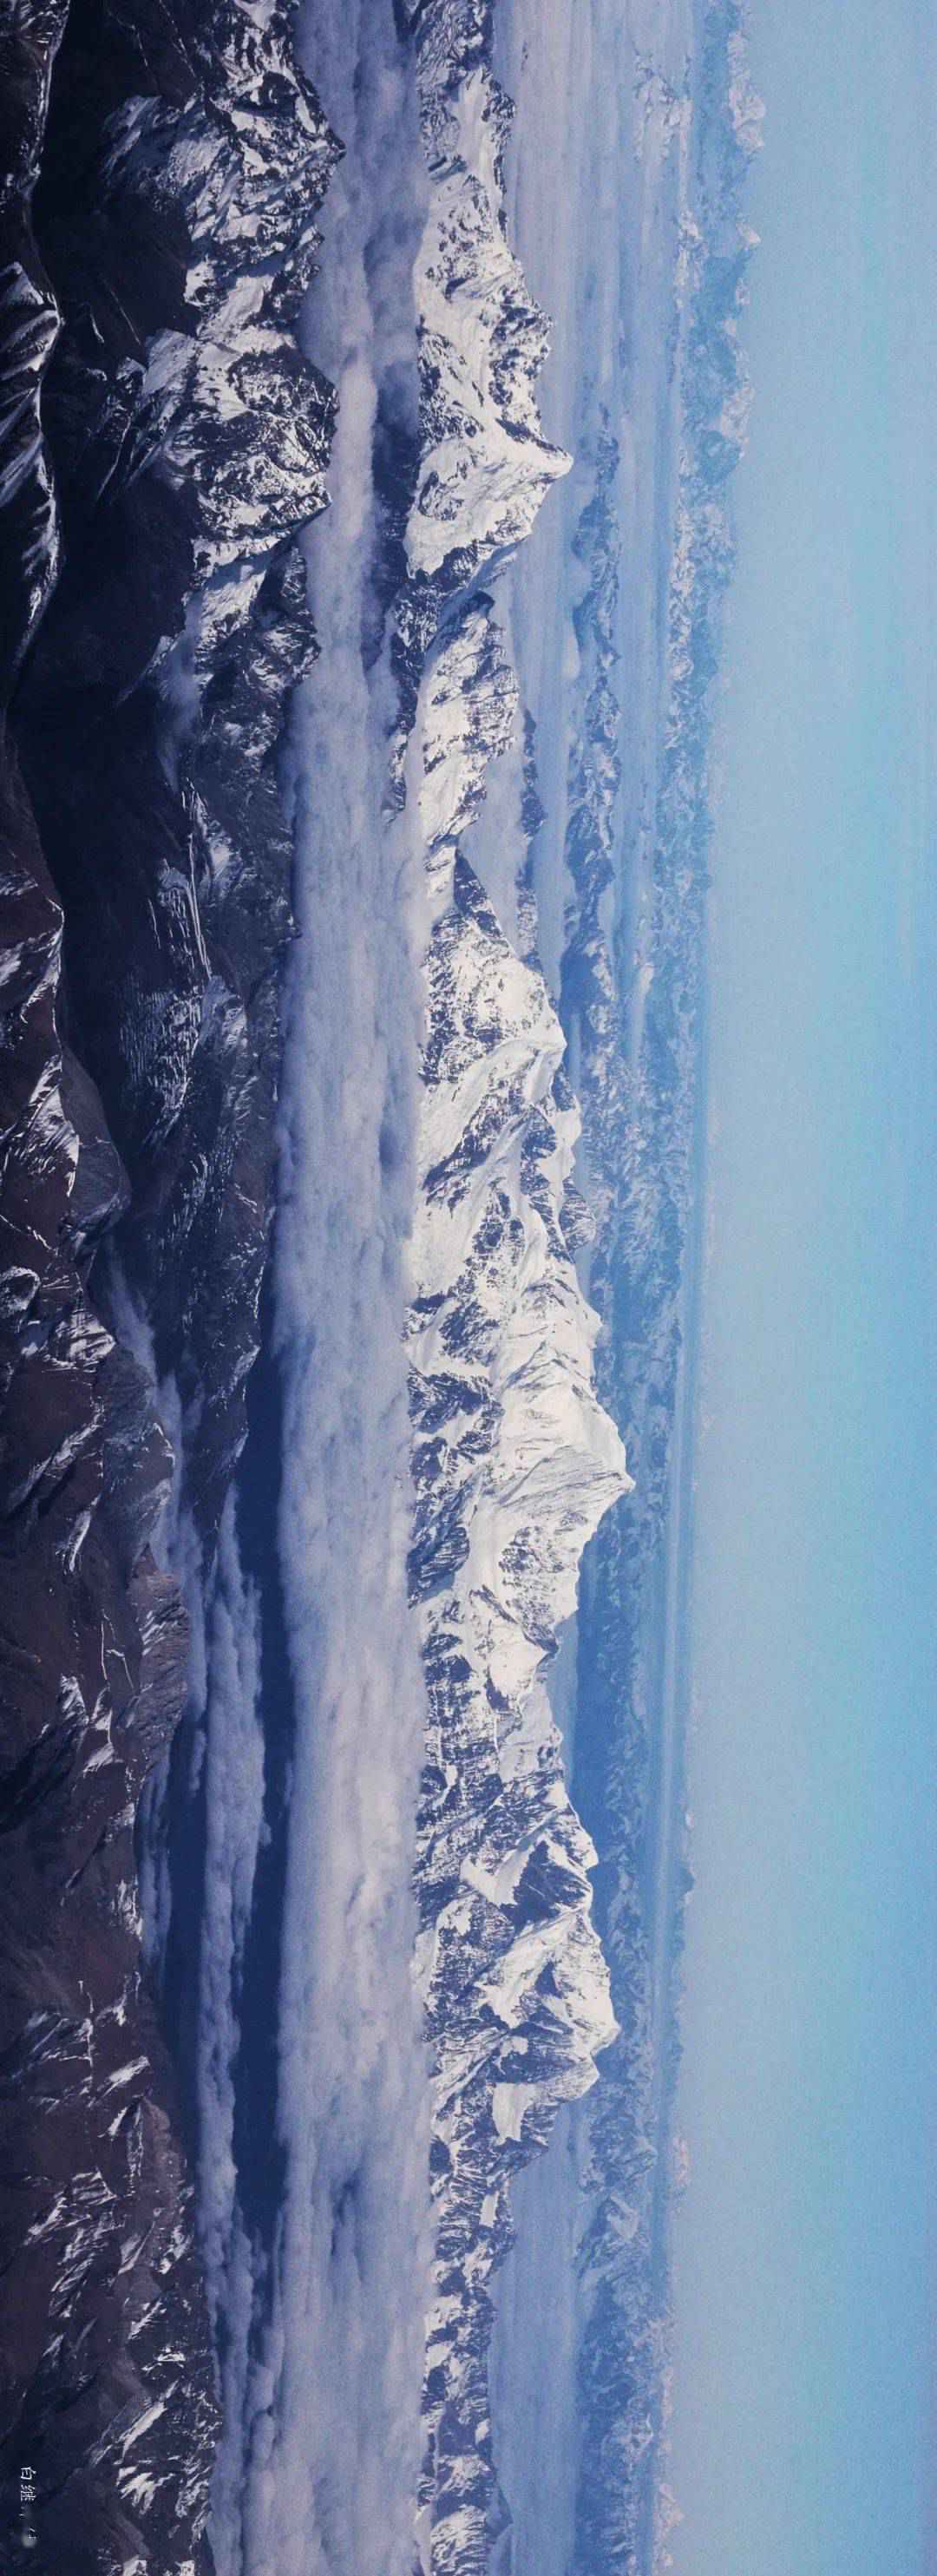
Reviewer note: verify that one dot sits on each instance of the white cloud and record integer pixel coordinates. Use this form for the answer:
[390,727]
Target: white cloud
[234,1823]
[322,2445]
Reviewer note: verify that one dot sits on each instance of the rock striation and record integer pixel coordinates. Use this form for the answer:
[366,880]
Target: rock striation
[170,164]
[185,160]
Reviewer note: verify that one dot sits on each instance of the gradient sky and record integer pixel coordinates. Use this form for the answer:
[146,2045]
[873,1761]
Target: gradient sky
[803,2433]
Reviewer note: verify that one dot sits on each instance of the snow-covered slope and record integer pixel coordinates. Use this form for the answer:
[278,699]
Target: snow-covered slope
[185,159]
[514,1460]
[485,464]
[514,1463]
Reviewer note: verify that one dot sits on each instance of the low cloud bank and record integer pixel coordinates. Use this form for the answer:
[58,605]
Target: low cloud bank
[322,2334]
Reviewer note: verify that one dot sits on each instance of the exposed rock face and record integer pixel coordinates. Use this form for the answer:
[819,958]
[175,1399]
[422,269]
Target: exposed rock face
[28,324]
[185,160]
[177,184]
[106,2380]
[101,2290]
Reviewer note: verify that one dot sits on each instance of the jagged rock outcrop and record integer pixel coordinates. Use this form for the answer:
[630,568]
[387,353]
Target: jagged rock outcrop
[186,158]
[143,925]
[102,2432]
[106,2392]
[185,161]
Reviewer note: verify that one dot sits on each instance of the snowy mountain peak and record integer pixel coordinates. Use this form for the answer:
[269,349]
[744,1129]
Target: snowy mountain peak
[485,464]
[514,1460]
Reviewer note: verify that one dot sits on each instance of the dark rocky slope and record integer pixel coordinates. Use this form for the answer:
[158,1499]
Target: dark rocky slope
[143,926]
[185,160]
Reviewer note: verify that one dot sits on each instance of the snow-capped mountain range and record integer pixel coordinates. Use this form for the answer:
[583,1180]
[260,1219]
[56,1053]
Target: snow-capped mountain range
[514,1463]
[514,1460]
[181,168]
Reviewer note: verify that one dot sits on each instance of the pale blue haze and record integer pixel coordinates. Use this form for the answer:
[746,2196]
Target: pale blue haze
[804,2260]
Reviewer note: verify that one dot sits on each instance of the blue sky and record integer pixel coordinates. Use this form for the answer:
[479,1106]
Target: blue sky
[805,2255]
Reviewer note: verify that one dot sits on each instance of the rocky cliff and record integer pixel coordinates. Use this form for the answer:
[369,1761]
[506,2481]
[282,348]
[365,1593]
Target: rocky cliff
[170,172]
[174,162]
